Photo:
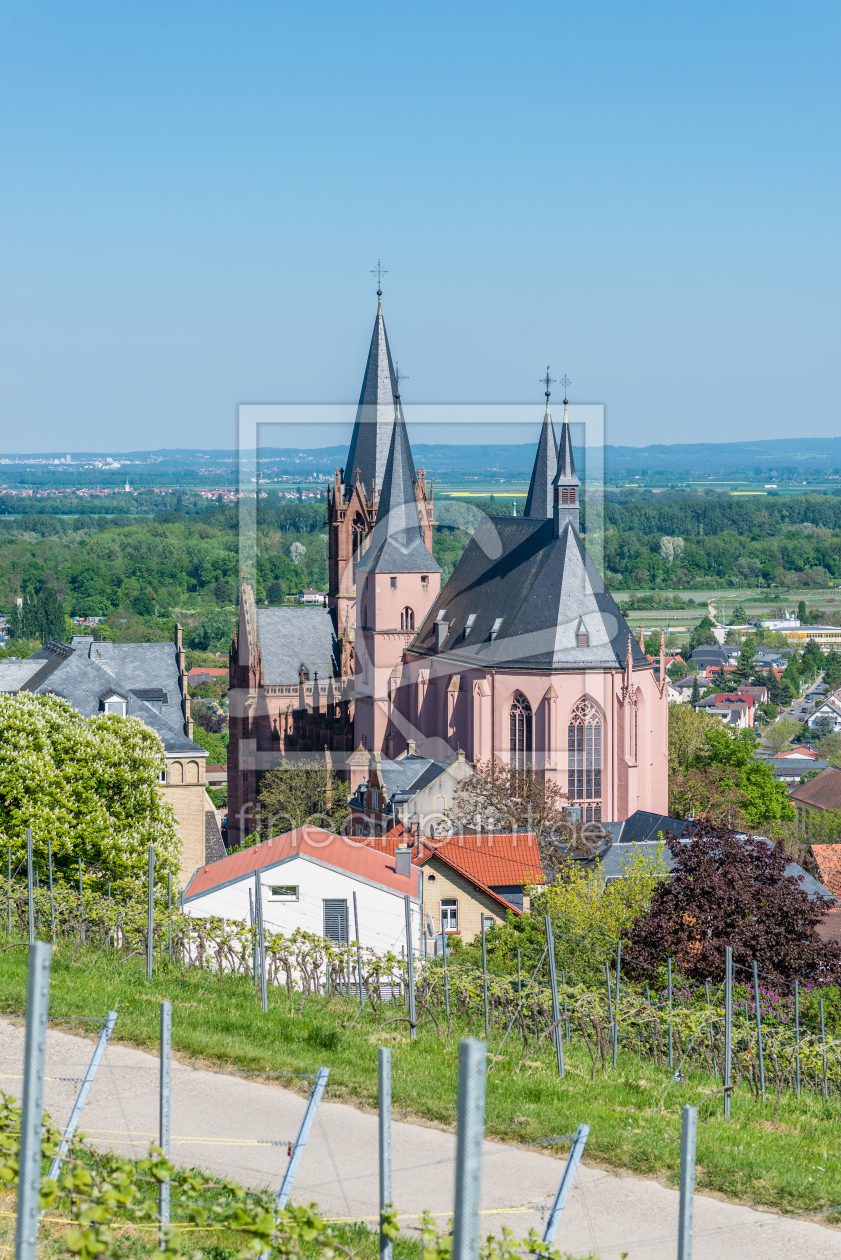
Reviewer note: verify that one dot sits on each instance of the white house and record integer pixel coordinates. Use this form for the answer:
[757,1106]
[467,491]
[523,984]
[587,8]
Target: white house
[307,879]
[831,708]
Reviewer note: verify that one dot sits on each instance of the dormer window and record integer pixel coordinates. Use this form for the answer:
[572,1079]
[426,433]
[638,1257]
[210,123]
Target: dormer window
[113,702]
[495,628]
[582,639]
[468,625]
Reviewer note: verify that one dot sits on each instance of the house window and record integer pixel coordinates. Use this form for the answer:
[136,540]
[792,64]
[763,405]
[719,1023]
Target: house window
[335,922]
[584,765]
[285,892]
[162,776]
[449,916]
[424,582]
[393,583]
[407,619]
[521,724]
[115,704]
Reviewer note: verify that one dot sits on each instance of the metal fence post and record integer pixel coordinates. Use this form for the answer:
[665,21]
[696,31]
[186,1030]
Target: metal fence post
[301,1140]
[261,941]
[797,1032]
[472,1082]
[166,1065]
[52,897]
[384,1073]
[358,952]
[82,902]
[29,1164]
[410,963]
[31,903]
[150,912]
[728,1027]
[557,1033]
[758,1014]
[616,1001]
[485,978]
[567,1178]
[82,1096]
[169,923]
[688,1135]
[254,967]
[671,1035]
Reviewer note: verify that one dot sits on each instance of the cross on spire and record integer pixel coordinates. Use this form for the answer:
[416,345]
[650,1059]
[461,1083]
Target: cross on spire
[547,380]
[399,376]
[379,271]
[565,381]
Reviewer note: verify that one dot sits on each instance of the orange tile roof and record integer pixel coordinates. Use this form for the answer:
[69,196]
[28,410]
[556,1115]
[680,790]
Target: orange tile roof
[341,852]
[492,859]
[828,858]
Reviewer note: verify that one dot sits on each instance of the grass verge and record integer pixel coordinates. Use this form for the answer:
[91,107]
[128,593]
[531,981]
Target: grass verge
[633,1111]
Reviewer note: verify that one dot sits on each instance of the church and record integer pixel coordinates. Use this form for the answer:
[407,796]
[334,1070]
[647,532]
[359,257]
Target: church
[522,655]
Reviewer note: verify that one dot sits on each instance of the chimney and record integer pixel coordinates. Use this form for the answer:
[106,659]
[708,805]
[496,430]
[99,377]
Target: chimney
[403,861]
[410,748]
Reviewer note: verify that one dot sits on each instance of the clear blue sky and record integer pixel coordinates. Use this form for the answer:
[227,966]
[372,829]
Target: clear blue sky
[645,196]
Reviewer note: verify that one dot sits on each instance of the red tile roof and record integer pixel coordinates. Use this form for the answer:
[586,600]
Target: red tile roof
[829,928]
[828,858]
[822,792]
[496,858]
[338,851]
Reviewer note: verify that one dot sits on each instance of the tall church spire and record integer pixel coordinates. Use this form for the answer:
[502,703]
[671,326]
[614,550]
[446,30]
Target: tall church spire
[374,415]
[397,544]
[565,485]
[539,501]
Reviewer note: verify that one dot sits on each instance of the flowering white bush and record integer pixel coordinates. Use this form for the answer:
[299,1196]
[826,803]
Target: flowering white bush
[87,784]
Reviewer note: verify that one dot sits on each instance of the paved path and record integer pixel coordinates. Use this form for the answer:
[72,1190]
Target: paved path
[240,1128]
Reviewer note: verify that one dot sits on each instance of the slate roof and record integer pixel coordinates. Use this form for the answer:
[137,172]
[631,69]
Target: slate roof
[530,592]
[404,778]
[617,856]
[374,416]
[326,847]
[643,826]
[292,637]
[214,846]
[565,474]
[785,767]
[539,498]
[397,544]
[14,673]
[84,677]
[824,792]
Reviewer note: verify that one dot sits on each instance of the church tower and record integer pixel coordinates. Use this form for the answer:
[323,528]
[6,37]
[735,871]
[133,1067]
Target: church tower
[540,496]
[565,484]
[397,582]
[352,500]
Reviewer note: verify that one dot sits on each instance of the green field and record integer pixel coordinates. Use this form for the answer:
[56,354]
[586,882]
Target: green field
[634,1111]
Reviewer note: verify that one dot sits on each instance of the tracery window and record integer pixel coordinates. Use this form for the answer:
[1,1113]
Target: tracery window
[521,733]
[584,760]
[407,619]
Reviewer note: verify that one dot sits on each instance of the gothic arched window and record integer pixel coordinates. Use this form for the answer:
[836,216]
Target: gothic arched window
[521,726]
[584,766]
[407,619]
[358,538]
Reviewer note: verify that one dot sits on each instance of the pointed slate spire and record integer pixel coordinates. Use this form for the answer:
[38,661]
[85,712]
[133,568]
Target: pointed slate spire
[539,501]
[374,416]
[565,484]
[397,544]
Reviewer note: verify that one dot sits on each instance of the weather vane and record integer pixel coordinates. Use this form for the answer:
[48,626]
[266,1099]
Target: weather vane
[566,381]
[399,376]
[379,271]
[547,380]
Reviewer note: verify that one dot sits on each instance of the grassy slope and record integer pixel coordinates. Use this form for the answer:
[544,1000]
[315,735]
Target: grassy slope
[787,1166]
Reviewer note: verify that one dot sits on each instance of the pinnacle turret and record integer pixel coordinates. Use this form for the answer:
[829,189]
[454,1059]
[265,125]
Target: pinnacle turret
[565,484]
[374,416]
[539,501]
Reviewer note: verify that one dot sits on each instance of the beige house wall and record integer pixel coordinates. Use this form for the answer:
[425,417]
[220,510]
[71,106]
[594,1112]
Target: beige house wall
[185,791]
[472,902]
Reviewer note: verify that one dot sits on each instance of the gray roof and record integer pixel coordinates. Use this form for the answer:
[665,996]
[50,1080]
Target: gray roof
[797,765]
[397,544]
[565,474]
[407,776]
[530,595]
[374,416]
[294,637]
[14,673]
[539,499]
[617,857]
[84,678]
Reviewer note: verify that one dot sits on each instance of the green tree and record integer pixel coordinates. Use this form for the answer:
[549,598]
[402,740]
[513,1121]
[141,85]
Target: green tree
[307,792]
[214,633]
[832,670]
[739,615]
[696,693]
[746,655]
[781,734]
[215,743]
[801,612]
[87,785]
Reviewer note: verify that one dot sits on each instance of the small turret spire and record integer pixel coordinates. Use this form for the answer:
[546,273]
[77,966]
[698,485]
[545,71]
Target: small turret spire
[539,499]
[565,485]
